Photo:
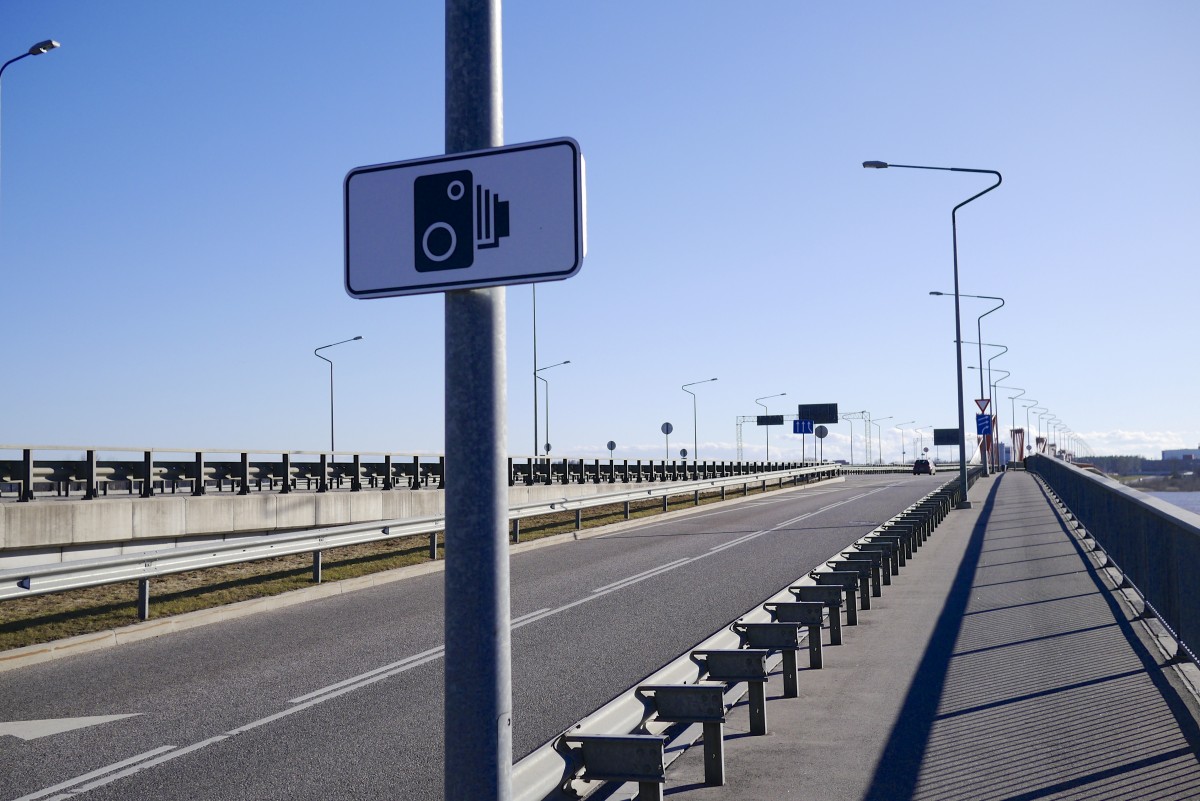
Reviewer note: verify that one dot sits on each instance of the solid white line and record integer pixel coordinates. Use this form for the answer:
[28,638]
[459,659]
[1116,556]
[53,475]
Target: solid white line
[369,673]
[639,575]
[93,774]
[520,620]
[137,768]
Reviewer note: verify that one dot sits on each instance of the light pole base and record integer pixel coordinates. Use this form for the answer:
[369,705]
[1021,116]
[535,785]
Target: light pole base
[964,505]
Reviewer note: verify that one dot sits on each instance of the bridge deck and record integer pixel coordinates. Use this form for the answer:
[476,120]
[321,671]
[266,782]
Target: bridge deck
[1000,664]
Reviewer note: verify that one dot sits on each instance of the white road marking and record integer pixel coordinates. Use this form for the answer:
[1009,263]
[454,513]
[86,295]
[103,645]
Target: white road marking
[643,573]
[33,729]
[93,774]
[370,677]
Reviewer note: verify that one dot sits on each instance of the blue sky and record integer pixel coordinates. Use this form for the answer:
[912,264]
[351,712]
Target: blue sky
[171,219]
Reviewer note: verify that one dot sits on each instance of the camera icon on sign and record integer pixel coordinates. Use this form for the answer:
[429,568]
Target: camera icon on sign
[452,218]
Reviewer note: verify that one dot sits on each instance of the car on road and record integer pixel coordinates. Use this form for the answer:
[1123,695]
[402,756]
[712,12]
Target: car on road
[923,466]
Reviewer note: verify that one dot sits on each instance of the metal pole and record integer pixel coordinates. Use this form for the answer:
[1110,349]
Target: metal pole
[695,434]
[537,445]
[478,663]
[962,430]
[317,353]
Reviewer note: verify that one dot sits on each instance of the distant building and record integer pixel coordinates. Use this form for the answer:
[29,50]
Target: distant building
[1187,454]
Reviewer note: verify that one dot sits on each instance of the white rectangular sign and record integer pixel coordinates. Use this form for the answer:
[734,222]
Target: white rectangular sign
[508,215]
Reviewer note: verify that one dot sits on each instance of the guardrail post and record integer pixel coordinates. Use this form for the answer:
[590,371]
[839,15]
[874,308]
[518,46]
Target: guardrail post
[511,480]
[416,480]
[148,474]
[323,481]
[27,475]
[639,470]
[389,480]
[198,482]
[316,567]
[244,475]
[89,469]
[143,602]
[549,473]
[356,479]
[442,472]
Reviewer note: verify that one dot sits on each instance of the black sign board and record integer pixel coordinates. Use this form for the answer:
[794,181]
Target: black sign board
[946,436]
[819,412]
[770,419]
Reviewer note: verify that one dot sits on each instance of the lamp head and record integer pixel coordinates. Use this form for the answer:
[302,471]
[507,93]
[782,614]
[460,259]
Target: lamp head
[937,293]
[43,47]
[356,338]
[875,165]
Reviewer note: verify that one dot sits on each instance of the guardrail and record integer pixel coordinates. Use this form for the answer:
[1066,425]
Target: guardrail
[556,771]
[61,576]
[42,469]
[1153,544]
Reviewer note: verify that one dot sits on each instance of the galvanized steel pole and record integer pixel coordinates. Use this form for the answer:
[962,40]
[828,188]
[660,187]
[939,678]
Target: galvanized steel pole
[478,667]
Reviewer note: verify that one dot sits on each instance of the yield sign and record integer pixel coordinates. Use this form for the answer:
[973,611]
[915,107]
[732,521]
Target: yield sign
[982,403]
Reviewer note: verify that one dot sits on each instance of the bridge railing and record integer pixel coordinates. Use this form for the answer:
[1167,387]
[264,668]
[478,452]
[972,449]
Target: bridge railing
[1155,545]
[58,471]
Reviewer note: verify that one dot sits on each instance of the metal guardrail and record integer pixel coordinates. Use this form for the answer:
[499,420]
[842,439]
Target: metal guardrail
[551,771]
[1153,544]
[42,469]
[60,576]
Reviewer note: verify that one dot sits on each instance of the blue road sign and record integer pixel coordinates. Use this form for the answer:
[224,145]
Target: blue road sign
[802,426]
[983,425]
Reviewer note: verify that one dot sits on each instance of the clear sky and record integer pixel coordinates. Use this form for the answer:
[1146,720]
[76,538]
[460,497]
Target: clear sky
[171,243]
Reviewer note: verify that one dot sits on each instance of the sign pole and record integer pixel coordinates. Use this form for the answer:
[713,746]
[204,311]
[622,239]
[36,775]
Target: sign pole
[478,664]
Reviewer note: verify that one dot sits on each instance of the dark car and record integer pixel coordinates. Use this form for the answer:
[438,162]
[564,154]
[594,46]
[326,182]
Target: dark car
[923,466]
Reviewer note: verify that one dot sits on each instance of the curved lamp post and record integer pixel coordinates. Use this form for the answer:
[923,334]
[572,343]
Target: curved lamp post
[849,418]
[903,452]
[879,437]
[962,432]
[547,383]
[319,356]
[37,50]
[695,436]
[766,411]
[979,342]
[1012,410]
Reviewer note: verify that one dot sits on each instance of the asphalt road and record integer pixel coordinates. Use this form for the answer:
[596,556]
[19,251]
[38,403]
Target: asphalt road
[342,697]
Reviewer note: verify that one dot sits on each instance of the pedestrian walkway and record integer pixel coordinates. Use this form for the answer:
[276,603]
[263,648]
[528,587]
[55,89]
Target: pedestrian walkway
[999,665]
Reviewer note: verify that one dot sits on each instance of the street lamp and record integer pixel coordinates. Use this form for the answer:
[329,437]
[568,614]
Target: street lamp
[879,438]
[695,436]
[765,411]
[979,342]
[903,452]
[37,50]
[319,356]
[849,418]
[547,383]
[1012,410]
[991,394]
[962,431]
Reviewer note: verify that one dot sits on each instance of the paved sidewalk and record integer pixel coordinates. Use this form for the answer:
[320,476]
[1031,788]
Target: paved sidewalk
[998,665]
